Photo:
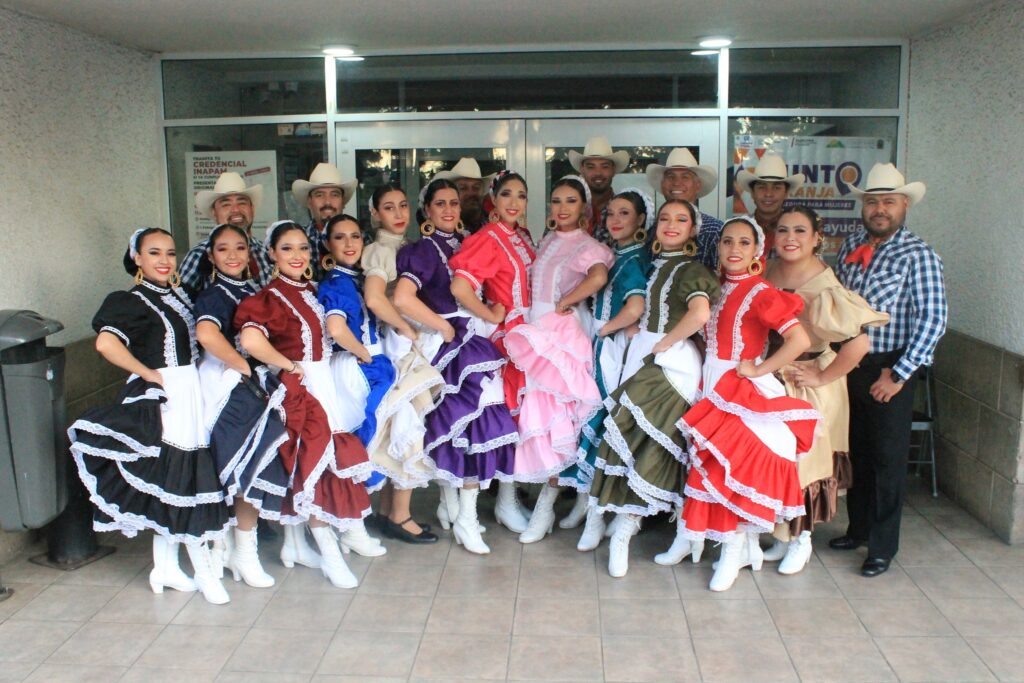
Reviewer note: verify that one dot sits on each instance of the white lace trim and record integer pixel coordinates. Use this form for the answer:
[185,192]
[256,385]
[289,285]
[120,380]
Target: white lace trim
[737,337]
[117,333]
[258,326]
[412,278]
[170,345]
[490,367]
[664,440]
[151,394]
[305,331]
[517,273]
[328,343]
[748,415]
[457,429]
[302,500]
[728,287]
[240,460]
[138,450]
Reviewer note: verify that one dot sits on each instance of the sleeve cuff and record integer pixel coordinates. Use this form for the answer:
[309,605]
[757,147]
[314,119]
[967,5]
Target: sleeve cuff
[785,326]
[635,292]
[257,326]
[379,272]
[468,278]
[337,312]
[210,318]
[694,295]
[117,333]
[904,369]
[413,279]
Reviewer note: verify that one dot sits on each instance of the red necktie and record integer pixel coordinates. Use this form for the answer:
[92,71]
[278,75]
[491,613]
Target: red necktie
[861,255]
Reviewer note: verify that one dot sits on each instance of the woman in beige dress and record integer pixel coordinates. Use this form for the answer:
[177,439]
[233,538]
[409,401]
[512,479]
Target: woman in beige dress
[834,318]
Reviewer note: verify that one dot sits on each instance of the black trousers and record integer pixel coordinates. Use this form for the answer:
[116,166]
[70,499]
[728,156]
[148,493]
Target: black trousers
[879,449]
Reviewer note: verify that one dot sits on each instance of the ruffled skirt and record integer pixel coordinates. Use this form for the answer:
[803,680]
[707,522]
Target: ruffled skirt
[746,436]
[147,464]
[561,396]
[641,462]
[245,431]
[471,437]
[361,388]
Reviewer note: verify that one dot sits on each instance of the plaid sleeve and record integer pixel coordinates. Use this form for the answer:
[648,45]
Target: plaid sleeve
[929,308]
[188,269]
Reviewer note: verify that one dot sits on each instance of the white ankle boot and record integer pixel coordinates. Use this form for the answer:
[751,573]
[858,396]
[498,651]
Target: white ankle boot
[578,512]
[467,526]
[296,549]
[798,554]
[448,508]
[593,530]
[166,571]
[356,539]
[332,564]
[741,550]
[609,530]
[776,552]
[618,548]
[543,519]
[508,511]
[244,560]
[220,554]
[680,548]
[207,583]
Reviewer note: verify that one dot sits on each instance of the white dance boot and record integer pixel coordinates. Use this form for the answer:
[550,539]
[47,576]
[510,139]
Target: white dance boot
[680,548]
[543,519]
[332,564]
[220,554]
[578,512]
[798,554]
[618,548]
[508,510]
[244,560]
[296,549]
[741,550]
[593,530]
[448,508]
[777,550]
[467,527]
[167,572]
[207,583]
[356,539]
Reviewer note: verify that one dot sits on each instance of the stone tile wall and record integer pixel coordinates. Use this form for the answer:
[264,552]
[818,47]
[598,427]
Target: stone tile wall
[980,393]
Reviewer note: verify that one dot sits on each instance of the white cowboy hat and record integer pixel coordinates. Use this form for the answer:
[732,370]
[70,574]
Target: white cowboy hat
[772,169]
[324,175]
[681,157]
[227,183]
[600,148]
[466,167]
[886,179]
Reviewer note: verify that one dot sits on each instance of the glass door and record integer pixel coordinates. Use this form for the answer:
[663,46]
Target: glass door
[648,141]
[410,153]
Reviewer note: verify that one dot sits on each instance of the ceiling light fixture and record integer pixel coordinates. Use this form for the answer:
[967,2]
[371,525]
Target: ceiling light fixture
[338,50]
[715,42]
[351,59]
[704,53]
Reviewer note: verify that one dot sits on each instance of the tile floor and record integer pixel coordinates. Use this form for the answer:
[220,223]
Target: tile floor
[950,609]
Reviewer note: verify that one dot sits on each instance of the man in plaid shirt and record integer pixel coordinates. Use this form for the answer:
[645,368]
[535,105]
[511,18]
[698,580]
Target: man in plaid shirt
[900,275]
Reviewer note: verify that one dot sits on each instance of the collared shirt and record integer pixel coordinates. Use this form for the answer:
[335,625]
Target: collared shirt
[318,250]
[188,269]
[707,241]
[904,279]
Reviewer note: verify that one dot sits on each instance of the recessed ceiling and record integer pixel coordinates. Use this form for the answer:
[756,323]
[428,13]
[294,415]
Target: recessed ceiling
[240,26]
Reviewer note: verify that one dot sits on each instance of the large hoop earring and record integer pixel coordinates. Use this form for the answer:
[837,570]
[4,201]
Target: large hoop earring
[493,217]
[552,224]
[175,279]
[308,272]
[755,267]
[138,276]
[460,227]
[427,228]
[656,247]
[640,235]
[246,274]
[327,262]
[275,272]
[690,248]
[583,222]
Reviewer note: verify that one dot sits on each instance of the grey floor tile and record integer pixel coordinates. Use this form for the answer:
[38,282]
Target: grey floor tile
[541,658]
[22,594]
[642,617]
[928,547]
[649,658]
[945,581]
[570,581]
[1002,655]
[201,648]
[479,581]
[552,617]
[30,642]
[361,653]
[101,644]
[479,616]
[446,658]
[278,650]
[933,660]
[267,677]
[642,581]
[897,617]
[728,618]
[1008,577]
[145,674]
[849,659]
[392,613]
[692,584]
[505,548]
[762,658]
[814,617]
[77,673]
[20,570]
[894,583]
[137,604]
[983,617]
[813,582]
[417,554]
[986,551]
[312,611]
[400,579]
[113,570]
[66,603]
[244,609]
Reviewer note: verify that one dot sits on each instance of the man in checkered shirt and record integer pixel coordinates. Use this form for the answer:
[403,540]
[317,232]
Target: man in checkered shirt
[900,275]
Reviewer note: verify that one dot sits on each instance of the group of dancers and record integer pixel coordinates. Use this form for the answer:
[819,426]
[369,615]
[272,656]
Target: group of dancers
[628,371]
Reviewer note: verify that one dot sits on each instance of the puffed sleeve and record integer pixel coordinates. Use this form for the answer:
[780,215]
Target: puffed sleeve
[836,314]
[777,310]
[478,260]
[418,262]
[379,260]
[632,279]
[214,305]
[590,255]
[338,296]
[122,314]
[696,281]
[263,312]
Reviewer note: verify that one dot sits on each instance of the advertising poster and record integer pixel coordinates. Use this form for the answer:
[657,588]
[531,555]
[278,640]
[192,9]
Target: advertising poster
[257,168]
[832,165]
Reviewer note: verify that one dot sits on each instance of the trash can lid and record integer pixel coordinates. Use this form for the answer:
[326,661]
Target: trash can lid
[20,327]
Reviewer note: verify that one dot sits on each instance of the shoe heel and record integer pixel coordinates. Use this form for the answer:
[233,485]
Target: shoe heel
[236,575]
[755,565]
[290,564]
[157,587]
[345,549]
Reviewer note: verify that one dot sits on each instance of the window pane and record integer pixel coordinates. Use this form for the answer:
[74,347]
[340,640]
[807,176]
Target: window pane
[845,77]
[273,156]
[243,87]
[545,80]
[833,153]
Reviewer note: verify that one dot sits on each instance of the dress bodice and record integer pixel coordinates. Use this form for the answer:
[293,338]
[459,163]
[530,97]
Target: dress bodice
[675,279]
[288,314]
[425,263]
[497,261]
[563,260]
[750,307]
[157,324]
[339,294]
[627,277]
[219,301]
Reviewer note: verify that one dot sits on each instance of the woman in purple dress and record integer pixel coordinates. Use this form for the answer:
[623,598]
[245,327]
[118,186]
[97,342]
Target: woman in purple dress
[470,437]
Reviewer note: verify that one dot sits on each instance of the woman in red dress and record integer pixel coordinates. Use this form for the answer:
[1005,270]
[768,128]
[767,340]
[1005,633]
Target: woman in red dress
[745,434]
[283,326]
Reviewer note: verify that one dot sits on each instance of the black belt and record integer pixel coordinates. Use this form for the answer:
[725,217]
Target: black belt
[884,359]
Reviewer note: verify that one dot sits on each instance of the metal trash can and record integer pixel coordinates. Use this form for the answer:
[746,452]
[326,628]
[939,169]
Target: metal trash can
[33,452]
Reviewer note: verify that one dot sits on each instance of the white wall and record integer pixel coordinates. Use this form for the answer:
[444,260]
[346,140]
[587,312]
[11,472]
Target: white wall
[80,167]
[966,130]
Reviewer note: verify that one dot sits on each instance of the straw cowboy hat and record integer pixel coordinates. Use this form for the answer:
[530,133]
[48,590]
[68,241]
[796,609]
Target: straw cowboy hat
[770,169]
[227,183]
[681,157]
[466,167]
[600,148]
[324,175]
[886,179]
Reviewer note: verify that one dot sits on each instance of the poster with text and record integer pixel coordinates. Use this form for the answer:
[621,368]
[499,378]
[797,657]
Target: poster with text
[831,165]
[257,168]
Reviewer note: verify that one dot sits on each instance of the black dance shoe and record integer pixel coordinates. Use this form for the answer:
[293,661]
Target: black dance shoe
[845,543]
[399,532]
[873,566]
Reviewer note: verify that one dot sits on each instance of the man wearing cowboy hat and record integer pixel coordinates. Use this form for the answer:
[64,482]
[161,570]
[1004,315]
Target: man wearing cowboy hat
[769,186]
[598,165]
[325,195]
[472,186]
[230,201]
[901,275]
[683,178]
